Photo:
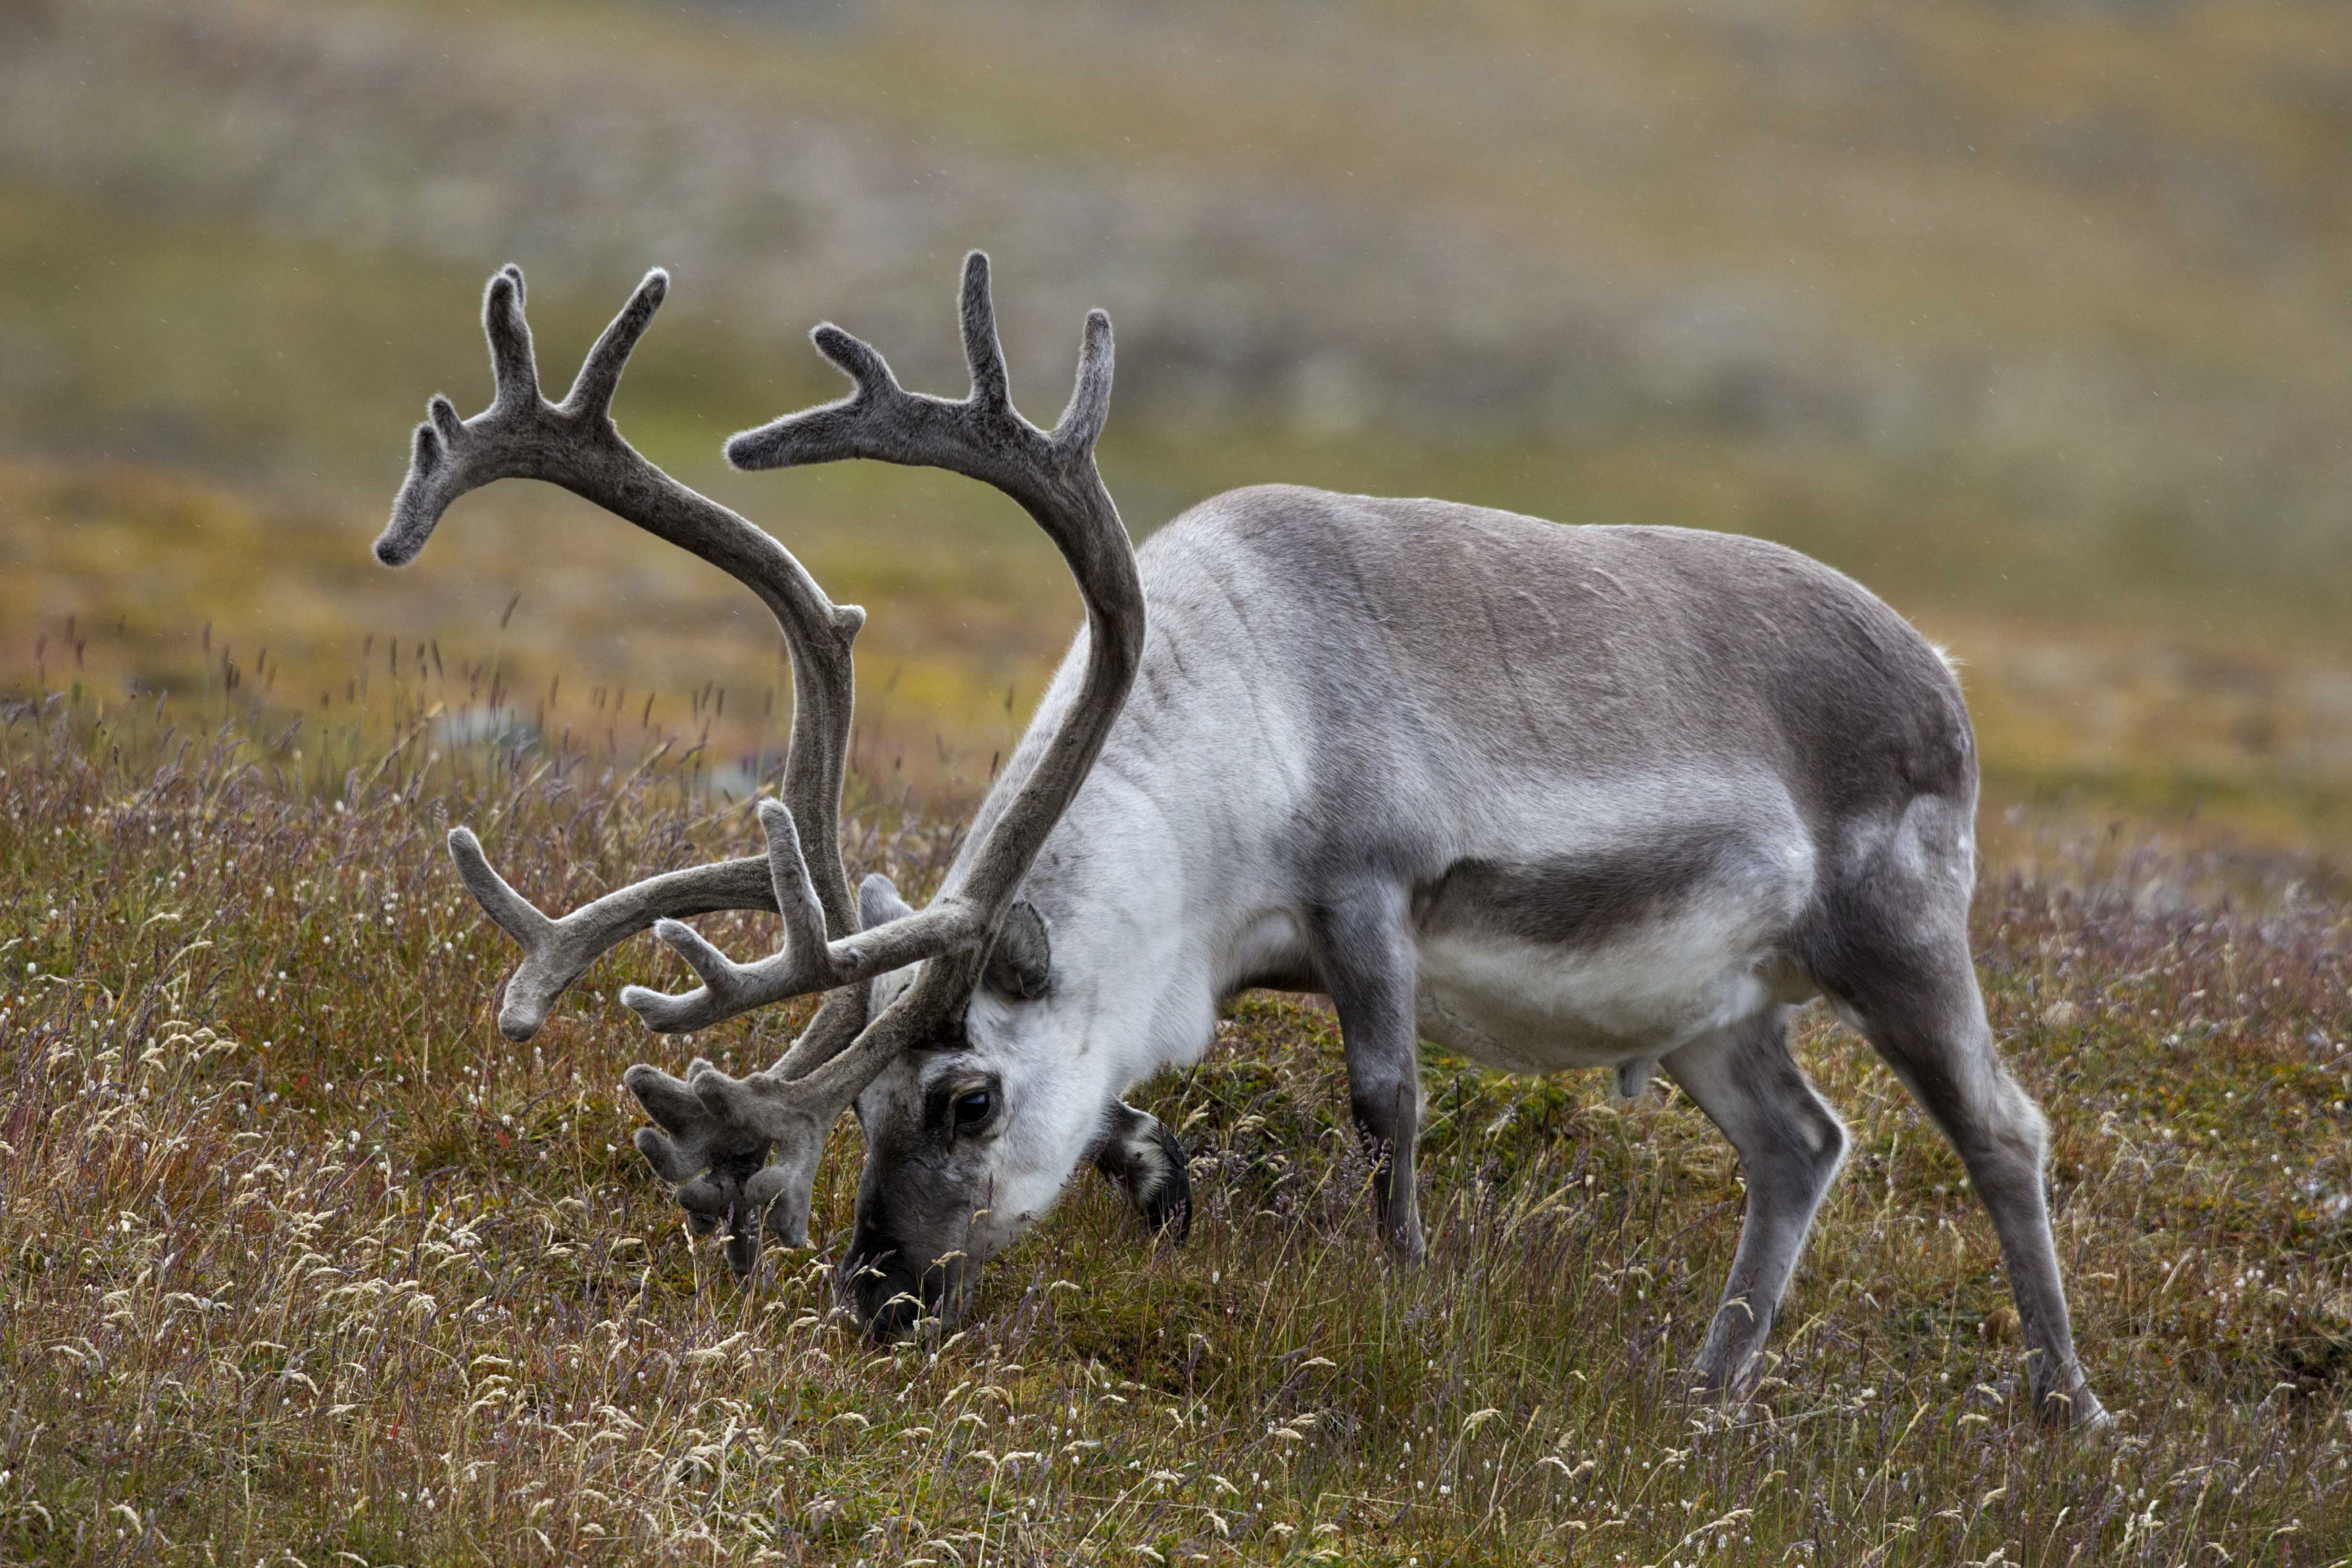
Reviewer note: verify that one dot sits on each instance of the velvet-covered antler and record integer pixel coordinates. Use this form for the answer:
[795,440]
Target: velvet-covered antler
[1052,474]
[574,444]
[716,1132]
[556,953]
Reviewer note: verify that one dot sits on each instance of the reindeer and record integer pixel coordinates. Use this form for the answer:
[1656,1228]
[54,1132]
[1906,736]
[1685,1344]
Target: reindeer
[1556,797]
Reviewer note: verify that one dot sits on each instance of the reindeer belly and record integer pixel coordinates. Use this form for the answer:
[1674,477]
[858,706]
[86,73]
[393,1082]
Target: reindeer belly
[1589,962]
[1520,1007]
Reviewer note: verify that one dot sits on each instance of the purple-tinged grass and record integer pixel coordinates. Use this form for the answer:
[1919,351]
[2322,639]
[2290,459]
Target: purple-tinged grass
[302,1258]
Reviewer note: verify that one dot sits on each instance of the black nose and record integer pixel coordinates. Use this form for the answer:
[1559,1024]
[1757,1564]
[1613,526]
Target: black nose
[888,1297]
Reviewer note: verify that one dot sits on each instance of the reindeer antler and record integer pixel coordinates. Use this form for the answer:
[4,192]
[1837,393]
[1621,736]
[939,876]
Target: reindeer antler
[717,1130]
[792,1105]
[556,953]
[575,444]
[1053,475]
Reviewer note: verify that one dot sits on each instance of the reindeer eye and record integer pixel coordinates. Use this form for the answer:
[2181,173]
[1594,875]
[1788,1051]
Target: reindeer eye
[972,1108]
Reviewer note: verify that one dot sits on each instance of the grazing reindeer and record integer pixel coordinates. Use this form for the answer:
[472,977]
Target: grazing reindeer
[1557,797]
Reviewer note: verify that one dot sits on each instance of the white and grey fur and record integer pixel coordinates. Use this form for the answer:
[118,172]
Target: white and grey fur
[1555,797]
[1558,797]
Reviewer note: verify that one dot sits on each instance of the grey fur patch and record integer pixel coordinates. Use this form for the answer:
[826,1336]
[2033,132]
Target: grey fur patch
[1581,902]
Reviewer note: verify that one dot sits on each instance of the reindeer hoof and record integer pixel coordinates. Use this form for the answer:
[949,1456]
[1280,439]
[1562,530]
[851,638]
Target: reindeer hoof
[2078,1415]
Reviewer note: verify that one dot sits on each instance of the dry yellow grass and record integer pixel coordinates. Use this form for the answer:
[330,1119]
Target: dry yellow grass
[301,1259]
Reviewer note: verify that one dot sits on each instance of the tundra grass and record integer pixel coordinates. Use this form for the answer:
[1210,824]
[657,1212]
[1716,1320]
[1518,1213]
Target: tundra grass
[304,1262]
[119,577]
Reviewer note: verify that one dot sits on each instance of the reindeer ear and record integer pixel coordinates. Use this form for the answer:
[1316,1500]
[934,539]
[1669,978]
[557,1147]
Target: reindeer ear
[878,902]
[1021,964]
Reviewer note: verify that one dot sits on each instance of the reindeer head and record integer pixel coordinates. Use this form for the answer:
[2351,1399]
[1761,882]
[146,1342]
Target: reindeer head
[744,1152]
[973,1135]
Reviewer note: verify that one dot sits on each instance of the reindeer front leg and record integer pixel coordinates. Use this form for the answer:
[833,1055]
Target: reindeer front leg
[1361,941]
[1143,1160]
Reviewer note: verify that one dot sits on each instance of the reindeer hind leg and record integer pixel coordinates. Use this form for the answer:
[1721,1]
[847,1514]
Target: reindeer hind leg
[1897,959]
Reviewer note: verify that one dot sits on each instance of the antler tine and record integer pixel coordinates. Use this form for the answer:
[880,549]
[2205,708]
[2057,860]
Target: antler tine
[730,989]
[513,365]
[795,900]
[983,352]
[1081,423]
[796,897]
[600,373]
[556,953]
[516,915]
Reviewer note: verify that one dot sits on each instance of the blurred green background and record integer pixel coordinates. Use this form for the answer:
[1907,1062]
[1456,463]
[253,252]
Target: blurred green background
[2034,315]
